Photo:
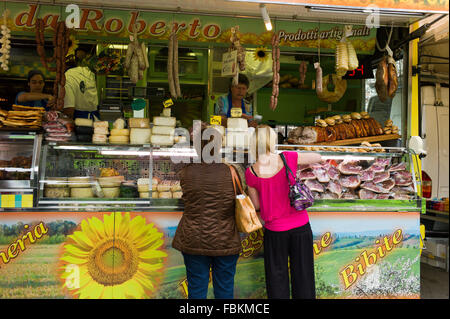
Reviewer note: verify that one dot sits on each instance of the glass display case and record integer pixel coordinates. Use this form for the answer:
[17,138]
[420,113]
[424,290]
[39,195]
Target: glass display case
[360,178]
[111,176]
[19,158]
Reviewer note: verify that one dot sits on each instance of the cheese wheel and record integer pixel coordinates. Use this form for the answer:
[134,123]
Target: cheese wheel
[83,122]
[119,124]
[119,139]
[140,135]
[138,122]
[82,181]
[166,112]
[120,132]
[164,121]
[101,124]
[175,186]
[163,130]
[143,181]
[162,140]
[163,187]
[81,192]
[177,194]
[111,192]
[155,194]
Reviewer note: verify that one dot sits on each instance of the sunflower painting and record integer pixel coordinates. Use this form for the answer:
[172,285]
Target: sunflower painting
[260,54]
[118,258]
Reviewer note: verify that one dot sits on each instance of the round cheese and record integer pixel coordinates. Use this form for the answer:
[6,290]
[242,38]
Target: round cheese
[119,124]
[155,194]
[111,192]
[110,181]
[57,192]
[163,187]
[118,139]
[120,132]
[143,188]
[79,182]
[81,192]
[140,135]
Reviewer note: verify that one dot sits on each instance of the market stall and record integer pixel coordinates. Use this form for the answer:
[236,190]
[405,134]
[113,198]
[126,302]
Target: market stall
[76,193]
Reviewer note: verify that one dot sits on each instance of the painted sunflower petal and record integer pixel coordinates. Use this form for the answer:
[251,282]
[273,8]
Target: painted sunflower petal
[124,226]
[76,251]
[98,226]
[93,290]
[133,289]
[82,240]
[107,292]
[108,221]
[151,255]
[73,260]
[144,242]
[86,228]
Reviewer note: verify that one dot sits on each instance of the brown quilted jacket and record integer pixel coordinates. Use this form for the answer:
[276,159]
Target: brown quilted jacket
[207,226]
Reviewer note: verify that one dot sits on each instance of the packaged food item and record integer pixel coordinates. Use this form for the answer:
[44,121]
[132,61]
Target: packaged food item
[166,112]
[165,195]
[144,195]
[177,194]
[101,124]
[175,186]
[164,186]
[99,138]
[83,122]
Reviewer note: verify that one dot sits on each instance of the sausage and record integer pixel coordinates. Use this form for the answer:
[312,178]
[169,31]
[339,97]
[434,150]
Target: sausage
[172,89]
[143,47]
[319,80]
[129,55]
[134,70]
[176,80]
[139,54]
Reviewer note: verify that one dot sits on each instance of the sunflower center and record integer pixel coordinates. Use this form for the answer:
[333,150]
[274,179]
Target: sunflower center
[261,53]
[113,262]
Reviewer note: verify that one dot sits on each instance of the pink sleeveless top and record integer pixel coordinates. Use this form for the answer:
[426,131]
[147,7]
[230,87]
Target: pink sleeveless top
[276,210]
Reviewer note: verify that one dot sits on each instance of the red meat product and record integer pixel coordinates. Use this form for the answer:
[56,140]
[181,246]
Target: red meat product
[314,185]
[381,177]
[350,181]
[348,168]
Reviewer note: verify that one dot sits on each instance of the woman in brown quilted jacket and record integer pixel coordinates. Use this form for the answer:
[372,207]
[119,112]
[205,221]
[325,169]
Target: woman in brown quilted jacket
[207,234]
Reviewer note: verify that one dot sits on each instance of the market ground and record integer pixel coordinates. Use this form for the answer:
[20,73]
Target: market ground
[433,282]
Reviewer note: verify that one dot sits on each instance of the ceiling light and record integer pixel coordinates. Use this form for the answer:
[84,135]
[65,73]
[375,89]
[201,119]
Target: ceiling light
[265,16]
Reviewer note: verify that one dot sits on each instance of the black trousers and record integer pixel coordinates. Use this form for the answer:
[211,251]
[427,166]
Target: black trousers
[295,246]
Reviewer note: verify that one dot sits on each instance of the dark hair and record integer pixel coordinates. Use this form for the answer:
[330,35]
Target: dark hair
[242,79]
[33,73]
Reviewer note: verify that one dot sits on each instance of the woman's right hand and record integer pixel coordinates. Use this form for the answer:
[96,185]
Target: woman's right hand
[50,100]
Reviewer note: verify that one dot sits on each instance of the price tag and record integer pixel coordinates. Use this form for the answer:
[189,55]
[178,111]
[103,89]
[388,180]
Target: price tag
[168,103]
[236,112]
[215,120]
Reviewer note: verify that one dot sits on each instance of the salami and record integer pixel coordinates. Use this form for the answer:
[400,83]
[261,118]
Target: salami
[176,80]
[170,77]
[318,80]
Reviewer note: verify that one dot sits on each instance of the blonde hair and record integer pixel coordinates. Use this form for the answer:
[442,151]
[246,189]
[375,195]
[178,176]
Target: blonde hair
[263,141]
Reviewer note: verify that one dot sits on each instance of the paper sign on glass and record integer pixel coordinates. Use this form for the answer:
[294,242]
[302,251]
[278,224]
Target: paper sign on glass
[229,63]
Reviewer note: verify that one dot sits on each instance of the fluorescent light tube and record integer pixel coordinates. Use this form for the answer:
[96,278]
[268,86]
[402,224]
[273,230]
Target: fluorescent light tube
[265,16]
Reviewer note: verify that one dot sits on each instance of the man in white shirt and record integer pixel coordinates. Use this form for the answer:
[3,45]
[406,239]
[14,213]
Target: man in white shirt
[81,100]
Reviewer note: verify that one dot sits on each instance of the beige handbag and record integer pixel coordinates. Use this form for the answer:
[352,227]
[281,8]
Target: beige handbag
[247,220]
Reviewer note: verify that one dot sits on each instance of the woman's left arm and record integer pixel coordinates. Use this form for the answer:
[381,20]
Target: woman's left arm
[308,158]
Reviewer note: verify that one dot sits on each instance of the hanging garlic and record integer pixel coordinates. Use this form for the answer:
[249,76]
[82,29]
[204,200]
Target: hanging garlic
[5,42]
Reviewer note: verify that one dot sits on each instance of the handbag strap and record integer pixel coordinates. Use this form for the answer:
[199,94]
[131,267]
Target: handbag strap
[235,179]
[288,169]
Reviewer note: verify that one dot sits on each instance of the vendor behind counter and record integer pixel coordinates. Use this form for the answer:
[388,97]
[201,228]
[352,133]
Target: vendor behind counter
[35,97]
[81,99]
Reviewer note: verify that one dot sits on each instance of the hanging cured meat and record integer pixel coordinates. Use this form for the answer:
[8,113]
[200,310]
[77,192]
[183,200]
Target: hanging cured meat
[276,71]
[382,80]
[332,96]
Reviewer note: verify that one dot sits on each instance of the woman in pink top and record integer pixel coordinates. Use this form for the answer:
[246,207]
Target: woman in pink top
[288,239]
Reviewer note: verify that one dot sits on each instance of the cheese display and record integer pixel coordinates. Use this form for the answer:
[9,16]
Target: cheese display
[138,122]
[118,139]
[164,186]
[155,195]
[81,192]
[101,124]
[166,112]
[144,195]
[175,186]
[111,192]
[101,131]
[164,121]
[177,194]
[162,140]
[163,130]
[140,135]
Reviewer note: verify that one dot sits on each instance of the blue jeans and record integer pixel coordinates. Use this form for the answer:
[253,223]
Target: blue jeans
[223,271]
